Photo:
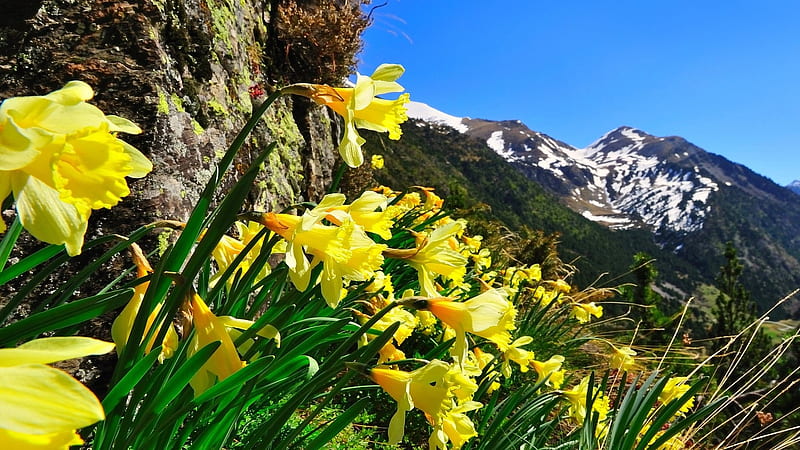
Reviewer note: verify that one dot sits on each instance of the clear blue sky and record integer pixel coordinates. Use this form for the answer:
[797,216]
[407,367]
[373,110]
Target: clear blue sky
[723,74]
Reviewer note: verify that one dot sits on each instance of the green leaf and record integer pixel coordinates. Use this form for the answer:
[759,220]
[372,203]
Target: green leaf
[63,316]
[127,383]
[235,381]
[9,240]
[171,388]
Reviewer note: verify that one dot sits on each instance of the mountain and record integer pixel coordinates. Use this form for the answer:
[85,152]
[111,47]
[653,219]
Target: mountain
[687,200]
[794,186]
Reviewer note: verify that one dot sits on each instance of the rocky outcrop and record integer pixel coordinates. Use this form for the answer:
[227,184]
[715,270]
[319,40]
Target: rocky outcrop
[189,72]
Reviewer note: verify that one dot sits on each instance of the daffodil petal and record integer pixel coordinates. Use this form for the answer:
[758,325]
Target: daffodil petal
[52,349]
[73,92]
[350,147]
[139,164]
[61,440]
[16,150]
[46,217]
[122,125]
[39,399]
[363,93]
[388,72]
[397,426]
[267,331]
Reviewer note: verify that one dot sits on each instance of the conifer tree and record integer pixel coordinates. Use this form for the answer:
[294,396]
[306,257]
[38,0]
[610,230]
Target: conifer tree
[734,311]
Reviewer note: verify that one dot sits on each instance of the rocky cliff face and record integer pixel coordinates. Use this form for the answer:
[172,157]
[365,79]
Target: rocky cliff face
[189,73]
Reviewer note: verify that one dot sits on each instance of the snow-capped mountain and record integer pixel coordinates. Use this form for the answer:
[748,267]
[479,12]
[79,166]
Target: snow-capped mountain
[625,179]
[660,195]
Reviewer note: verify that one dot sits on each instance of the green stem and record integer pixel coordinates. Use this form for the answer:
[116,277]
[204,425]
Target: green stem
[8,242]
[337,178]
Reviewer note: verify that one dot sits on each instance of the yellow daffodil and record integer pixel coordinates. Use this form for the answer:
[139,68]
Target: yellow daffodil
[489,315]
[121,328]
[546,296]
[228,249]
[519,355]
[345,251]
[550,370]
[377,162]
[42,407]
[622,358]
[584,311]
[673,390]
[61,158]
[436,254]
[514,276]
[389,353]
[368,211]
[456,427]
[423,388]
[208,328]
[577,400]
[483,359]
[437,389]
[360,107]
[381,283]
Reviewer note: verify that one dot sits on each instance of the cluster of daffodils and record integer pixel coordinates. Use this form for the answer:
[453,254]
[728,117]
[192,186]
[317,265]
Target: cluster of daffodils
[354,242]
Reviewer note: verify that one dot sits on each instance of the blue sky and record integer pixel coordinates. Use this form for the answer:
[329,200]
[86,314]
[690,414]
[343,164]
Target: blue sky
[725,75]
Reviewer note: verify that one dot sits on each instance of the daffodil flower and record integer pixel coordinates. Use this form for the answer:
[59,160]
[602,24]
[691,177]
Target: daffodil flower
[360,107]
[407,388]
[61,158]
[345,251]
[519,355]
[435,254]
[489,315]
[229,248]
[42,407]
[123,324]
[584,311]
[550,370]
[622,358]
[673,390]
[433,389]
[377,162]
[208,328]
[456,426]
[577,400]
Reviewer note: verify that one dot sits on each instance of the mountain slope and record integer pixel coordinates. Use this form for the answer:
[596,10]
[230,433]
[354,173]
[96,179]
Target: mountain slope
[688,202]
[465,171]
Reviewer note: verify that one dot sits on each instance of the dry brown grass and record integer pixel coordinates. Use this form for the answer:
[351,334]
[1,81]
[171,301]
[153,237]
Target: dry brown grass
[317,41]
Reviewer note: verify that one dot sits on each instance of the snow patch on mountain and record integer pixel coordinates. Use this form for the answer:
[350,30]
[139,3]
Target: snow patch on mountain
[421,111]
